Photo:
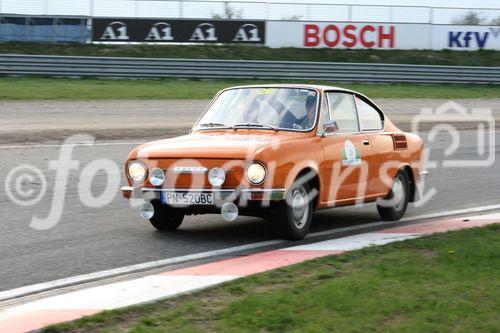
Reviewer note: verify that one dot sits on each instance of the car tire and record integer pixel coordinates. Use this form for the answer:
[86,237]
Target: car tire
[293,215]
[165,218]
[391,208]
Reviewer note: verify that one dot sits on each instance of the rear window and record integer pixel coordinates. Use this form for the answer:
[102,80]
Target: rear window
[369,117]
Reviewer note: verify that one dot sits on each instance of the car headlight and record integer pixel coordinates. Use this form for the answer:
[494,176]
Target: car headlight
[256,173]
[156,177]
[216,177]
[137,171]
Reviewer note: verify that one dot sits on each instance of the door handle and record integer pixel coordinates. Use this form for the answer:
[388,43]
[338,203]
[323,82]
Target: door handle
[366,142]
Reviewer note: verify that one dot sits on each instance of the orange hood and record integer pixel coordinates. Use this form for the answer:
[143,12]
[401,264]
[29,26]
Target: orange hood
[241,144]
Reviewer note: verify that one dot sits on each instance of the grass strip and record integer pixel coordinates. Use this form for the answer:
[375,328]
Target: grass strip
[440,283]
[37,88]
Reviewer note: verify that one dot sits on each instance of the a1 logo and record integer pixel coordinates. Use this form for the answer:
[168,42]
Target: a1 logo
[247,33]
[204,32]
[115,31]
[160,31]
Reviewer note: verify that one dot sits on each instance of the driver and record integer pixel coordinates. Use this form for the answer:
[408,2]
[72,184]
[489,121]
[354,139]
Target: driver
[308,120]
[290,121]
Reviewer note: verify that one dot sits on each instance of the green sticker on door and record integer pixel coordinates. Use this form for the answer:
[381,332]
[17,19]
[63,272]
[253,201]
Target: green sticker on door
[350,154]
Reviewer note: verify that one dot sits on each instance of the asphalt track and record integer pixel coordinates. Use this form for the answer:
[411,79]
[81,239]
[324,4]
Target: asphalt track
[93,239]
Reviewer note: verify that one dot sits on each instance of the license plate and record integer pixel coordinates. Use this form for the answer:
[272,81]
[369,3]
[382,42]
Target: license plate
[187,198]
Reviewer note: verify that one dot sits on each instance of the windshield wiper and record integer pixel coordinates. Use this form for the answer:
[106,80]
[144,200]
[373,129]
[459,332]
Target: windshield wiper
[219,125]
[274,128]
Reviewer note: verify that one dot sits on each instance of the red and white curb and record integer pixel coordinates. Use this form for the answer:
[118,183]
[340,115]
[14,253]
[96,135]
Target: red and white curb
[76,304]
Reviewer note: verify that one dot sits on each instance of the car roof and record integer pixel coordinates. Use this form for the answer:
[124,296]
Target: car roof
[295,85]
[319,87]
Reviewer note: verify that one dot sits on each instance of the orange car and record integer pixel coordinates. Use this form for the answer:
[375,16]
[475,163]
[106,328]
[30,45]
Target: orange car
[278,152]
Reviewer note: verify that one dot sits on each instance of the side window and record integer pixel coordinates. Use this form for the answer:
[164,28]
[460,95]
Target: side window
[369,118]
[343,111]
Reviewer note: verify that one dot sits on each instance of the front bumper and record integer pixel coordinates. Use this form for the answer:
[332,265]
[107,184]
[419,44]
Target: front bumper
[251,194]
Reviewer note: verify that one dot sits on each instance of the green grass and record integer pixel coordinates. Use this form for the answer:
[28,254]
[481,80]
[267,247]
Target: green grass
[442,283]
[445,57]
[94,89]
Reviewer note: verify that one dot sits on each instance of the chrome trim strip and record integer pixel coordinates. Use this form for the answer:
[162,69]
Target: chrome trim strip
[189,170]
[198,190]
[257,190]
[246,190]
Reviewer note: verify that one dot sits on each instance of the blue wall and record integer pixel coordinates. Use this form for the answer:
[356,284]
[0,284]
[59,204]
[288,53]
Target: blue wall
[43,29]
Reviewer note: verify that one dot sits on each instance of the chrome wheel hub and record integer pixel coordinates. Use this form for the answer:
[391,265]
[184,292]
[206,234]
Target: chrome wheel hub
[300,208]
[398,194]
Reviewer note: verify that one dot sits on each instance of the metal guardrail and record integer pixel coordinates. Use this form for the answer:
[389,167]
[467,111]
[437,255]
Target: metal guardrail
[117,67]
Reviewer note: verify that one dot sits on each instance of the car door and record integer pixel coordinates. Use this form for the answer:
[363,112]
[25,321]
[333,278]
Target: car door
[371,122]
[346,150]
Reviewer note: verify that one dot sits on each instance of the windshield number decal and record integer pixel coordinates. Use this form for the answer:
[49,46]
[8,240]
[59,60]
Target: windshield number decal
[266,91]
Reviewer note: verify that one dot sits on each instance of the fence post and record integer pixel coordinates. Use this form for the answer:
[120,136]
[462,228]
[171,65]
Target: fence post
[26,27]
[54,30]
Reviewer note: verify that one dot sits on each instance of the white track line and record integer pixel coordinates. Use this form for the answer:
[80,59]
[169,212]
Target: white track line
[79,279]
[407,219]
[76,145]
[18,292]
[125,293]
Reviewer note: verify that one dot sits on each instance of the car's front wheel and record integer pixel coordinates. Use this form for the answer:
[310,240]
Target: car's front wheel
[293,216]
[393,207]
[165,217]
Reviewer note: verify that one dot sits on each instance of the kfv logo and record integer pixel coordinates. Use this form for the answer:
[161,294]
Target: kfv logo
[204,32]
[115,30]
[467,39]
[160,31]
[247,33]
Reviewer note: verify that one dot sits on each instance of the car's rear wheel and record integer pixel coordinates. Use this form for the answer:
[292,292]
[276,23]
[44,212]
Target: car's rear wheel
[293,216]
[165,218]
[393,207]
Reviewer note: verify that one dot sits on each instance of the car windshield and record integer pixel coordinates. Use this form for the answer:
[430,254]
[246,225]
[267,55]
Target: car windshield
[263,108]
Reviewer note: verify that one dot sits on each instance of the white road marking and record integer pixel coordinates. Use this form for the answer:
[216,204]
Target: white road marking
[355,242]
[32,289]
[18,292]
[83,144]
[124,293]
[408,219]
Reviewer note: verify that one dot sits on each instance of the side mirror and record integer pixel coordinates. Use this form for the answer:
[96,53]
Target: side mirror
[330,127]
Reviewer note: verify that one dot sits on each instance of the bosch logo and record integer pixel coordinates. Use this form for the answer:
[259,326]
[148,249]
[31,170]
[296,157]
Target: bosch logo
[367,36]
[115,31]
